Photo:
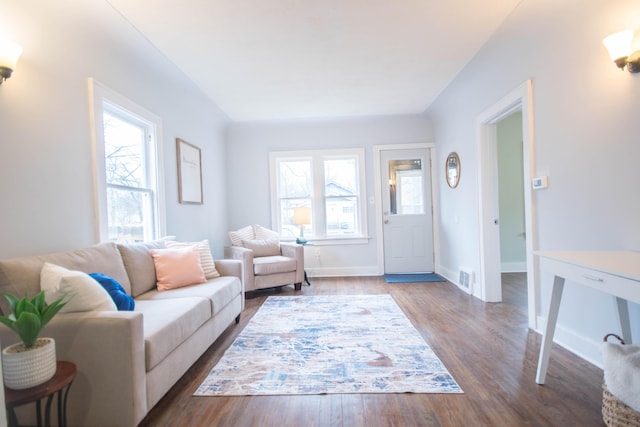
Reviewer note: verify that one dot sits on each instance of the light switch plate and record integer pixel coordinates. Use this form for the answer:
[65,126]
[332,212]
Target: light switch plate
[539,182]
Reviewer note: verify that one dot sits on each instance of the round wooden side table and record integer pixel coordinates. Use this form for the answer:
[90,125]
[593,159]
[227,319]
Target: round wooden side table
[59,384]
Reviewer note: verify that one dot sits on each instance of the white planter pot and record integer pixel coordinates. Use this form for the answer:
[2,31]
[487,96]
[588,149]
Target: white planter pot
[29,368]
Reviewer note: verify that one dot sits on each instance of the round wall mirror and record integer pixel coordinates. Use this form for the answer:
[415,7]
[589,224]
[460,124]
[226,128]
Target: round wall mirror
[452,169]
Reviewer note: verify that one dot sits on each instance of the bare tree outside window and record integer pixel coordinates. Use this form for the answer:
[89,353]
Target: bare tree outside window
[128,192]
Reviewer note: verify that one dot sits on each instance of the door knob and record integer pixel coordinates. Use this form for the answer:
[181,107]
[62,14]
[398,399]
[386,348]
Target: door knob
[495,221]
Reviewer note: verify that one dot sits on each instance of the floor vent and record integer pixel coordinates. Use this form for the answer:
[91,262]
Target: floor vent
[466,278]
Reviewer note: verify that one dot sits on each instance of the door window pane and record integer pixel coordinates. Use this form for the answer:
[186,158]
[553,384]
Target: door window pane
[405,187]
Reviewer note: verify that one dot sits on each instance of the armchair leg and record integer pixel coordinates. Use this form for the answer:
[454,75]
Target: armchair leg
[237,319]
[297,286]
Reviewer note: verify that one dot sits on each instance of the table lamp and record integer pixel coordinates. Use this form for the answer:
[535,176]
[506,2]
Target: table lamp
[301,217]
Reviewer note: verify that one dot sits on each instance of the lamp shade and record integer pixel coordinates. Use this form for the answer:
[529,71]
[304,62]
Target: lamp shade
[619,44]
[9,53]
[302,215]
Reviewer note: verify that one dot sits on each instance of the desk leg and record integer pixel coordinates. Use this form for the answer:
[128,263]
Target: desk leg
[549,329]
[625,324]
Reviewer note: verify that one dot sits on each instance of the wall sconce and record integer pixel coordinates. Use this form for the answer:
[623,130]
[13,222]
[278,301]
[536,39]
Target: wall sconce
[619,47]
[301,217]
[9,54]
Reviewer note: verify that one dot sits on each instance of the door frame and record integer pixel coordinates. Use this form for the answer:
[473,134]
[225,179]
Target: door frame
[377,149]
[490,284]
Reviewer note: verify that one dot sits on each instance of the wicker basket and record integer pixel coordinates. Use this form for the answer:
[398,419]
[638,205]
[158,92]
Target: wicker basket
[615,413]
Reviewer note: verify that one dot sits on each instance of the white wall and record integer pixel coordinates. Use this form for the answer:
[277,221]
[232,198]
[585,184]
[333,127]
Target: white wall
[586,141]
[46,178]
[248,147]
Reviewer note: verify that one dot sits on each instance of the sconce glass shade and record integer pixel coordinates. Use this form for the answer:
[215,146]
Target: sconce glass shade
[619,45]
[301,216]
[9,54]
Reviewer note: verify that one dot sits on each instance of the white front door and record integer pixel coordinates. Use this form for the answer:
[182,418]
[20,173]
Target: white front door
[407,210]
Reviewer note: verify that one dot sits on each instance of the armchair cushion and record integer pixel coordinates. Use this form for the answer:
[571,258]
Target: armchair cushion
[262,248]
[266,265]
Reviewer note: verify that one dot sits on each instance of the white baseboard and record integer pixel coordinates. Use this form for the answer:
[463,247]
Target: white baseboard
[583,347]
[342,271]
[453,277]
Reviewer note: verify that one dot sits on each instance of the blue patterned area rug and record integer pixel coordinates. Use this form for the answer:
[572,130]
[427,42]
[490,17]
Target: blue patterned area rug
[326,345]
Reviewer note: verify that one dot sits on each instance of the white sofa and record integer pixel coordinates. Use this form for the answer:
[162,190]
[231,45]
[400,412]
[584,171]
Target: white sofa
[128,360]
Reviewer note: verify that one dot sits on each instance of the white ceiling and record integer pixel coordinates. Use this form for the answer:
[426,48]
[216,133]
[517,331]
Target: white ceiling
[285,59]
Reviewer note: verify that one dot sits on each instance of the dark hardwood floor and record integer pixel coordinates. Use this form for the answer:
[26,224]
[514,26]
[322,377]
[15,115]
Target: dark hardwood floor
[487,347]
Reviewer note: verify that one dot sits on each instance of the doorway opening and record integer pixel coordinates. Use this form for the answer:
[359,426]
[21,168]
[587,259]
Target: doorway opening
[490,281]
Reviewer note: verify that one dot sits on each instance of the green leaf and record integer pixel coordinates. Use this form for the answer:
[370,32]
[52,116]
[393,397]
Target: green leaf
[28,327]
[13,301]
[52,309]
[39,302]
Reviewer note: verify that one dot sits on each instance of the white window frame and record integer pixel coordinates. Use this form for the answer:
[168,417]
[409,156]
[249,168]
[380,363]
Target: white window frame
[99,97]
[317,157]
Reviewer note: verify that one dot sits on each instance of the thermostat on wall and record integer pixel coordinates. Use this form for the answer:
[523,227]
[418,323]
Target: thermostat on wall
[539,182]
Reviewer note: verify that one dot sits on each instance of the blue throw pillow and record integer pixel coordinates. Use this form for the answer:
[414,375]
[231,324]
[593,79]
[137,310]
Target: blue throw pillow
[123,301]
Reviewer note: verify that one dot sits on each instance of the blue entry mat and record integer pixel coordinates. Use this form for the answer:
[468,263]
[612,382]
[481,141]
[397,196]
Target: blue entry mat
[413,277]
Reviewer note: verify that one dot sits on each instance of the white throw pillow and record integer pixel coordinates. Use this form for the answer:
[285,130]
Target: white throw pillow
[238,236]
[206,259]
[83,292]
[263,233]
[268,247]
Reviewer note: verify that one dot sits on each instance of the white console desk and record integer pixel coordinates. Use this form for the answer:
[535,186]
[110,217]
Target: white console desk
[614,272]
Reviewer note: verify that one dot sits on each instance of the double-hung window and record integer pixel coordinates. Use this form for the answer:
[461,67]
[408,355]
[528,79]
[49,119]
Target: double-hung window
[126,167]
[329,183]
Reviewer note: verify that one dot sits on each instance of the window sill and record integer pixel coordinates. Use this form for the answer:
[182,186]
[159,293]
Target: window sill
[335,241]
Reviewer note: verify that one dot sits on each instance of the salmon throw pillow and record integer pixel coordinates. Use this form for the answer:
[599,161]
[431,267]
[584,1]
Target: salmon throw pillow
[177,267]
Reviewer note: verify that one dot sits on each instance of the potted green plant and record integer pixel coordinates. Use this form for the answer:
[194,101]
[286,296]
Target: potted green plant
[33,361]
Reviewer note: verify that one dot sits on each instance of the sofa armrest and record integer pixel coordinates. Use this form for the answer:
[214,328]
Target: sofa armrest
[108,350]
[229,267]
[246,257]
[295,251]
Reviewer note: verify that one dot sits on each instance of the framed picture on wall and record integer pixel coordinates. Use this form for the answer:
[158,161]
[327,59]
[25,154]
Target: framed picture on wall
[189,173]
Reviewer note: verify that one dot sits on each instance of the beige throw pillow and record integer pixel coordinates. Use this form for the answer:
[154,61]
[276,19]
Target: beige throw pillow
[268,247]
[238,236]
[83,292]
[263,233]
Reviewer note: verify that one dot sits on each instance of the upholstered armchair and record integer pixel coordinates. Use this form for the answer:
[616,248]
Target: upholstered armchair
[266,262]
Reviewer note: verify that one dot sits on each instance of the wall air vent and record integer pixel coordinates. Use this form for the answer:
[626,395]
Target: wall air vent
[465,280]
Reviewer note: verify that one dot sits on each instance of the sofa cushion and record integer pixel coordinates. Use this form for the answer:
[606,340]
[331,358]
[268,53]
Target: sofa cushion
[20,275]
[220,292]
[273,264]
[139,265]
[168,323]
[123,301]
